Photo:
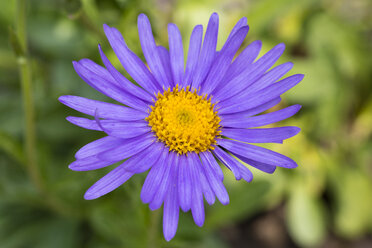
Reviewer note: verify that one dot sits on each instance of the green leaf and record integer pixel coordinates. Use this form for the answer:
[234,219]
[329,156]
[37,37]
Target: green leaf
[245,200]
[12,147]
[354,203]
[305,218]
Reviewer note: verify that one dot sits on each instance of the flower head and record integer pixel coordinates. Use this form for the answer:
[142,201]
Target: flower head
[182,119]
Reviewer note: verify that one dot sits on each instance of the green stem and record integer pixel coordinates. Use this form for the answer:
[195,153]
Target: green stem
[28,103]
[153,228]
[31,163]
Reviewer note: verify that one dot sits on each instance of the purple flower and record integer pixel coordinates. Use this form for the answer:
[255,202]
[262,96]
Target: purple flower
[181,120]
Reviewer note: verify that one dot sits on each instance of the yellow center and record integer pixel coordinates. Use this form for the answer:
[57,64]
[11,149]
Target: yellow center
[184,120]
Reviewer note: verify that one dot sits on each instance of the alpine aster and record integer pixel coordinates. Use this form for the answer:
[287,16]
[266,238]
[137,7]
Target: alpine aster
[181,120]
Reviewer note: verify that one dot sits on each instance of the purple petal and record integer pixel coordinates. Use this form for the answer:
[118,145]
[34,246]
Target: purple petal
[155,177]
[150,51]
[214,181]
[214,165]
[162,189]
[257,153]
[130,61]
[206,188]
[165,59]
[99,70]
[84,122]
[241,23]
[223,60]
[245,59]
[107,88]
[123,82]
[108,183]
[250,74]
[171,210]
[269,93]
[128,148]
[98,146]
[89,163]
[253,111]
[268,78]
[184,184]
[260,120]
[261,135]
[106,110]
[193,54]
[228,161]
[176,53]
[197,204]
[208,51]
[125,130]
[143,161]
[245,172]
[260,166]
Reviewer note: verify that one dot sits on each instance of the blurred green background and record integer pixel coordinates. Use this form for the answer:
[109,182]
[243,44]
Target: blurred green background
[325,202]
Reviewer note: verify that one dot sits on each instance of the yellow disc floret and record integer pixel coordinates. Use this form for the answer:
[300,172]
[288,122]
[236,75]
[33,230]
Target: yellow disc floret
[184,121]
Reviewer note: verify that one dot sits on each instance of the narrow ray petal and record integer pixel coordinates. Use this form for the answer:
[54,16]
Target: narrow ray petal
[207,53]
[155,176]
[260,120]
[213,164]
[268,78]
[250,74]
[108,183]
[107,110]
[140,163]
[243,60]
[223,60]
[98,146]
[150,51]
[123,82]
[165,59]
[241,23]
[261,135]
[89,163]
[131,62]
[129,147]
[269,93]
[171,210]
[125,130]
[197,204]
[176,53]
[228,161]
[214,181]
[85,123]
[172,167]
[257,153]
[245,172]
[105,87]
[193,54]
[258,165]
[184,184]
[206,188]
[99,70]
[253,111]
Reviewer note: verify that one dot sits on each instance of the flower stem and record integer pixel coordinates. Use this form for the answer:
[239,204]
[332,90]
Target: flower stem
[153,228]
[26,87]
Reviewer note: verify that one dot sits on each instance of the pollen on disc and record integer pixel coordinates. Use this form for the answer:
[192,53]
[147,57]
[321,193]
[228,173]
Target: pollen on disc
[184,120]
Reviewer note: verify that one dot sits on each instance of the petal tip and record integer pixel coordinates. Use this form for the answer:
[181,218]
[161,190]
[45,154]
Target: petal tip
[89,196]
[199,223]
[62,99]
[142,18]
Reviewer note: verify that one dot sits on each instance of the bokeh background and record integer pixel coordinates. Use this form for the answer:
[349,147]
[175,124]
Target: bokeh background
[325,202]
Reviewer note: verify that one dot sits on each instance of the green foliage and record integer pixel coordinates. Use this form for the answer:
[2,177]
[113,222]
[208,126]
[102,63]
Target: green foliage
[328,196]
